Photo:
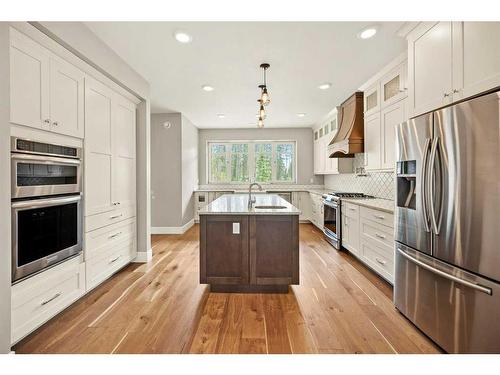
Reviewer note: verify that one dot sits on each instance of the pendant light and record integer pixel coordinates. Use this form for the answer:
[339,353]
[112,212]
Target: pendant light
[264,97]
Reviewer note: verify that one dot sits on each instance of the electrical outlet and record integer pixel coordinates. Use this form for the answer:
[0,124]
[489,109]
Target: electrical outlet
[236,228]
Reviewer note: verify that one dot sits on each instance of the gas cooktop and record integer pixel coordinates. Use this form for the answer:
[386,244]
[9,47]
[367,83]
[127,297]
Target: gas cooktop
[336,195]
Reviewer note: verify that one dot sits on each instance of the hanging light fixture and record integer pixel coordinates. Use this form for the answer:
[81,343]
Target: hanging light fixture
[264,97]
[262,111]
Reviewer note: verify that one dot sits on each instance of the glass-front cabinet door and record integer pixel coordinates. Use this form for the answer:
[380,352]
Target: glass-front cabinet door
[393,85]
[372,99]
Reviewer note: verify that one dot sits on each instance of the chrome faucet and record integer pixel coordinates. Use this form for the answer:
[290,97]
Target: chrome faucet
[250,199]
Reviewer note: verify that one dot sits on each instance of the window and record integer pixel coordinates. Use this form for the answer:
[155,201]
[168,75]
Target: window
[242,162]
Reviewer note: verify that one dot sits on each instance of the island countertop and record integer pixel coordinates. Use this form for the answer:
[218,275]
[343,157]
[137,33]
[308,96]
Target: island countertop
[237,204]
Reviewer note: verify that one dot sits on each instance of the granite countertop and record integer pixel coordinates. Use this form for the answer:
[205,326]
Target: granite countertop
[385,205]
[270,189]
[237,204]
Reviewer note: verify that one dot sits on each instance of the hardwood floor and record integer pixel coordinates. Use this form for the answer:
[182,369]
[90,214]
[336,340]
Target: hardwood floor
[339,307]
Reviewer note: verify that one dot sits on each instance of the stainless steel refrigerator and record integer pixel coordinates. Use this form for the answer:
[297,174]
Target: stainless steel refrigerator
[448,225]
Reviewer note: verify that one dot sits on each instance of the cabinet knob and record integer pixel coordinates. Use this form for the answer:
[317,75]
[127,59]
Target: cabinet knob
[55,123]
[446,95]
[47,121]
[455,91]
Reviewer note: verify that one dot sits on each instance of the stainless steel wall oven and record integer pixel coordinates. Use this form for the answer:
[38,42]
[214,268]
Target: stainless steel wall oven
[46,209]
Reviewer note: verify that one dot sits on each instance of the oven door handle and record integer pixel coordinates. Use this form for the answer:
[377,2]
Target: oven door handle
[37,203]
[325,232]
[50,160]
[333,205]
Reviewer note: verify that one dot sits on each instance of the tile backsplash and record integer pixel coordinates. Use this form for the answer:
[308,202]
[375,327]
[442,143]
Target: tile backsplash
[378,184]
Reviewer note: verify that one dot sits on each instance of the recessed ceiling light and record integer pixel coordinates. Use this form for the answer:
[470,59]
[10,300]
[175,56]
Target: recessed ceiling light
[221,115]
[207,88]
[182,37]
[367,33]
[301,114]
[325,86]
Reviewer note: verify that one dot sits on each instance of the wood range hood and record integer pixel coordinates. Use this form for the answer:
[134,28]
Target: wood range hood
[349,139]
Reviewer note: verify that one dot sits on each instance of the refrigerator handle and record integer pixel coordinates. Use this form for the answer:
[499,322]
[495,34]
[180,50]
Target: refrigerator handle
[446,275]
[424,197]
[431,183]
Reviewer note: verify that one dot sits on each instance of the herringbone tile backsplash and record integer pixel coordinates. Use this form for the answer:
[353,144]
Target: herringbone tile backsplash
[378,184]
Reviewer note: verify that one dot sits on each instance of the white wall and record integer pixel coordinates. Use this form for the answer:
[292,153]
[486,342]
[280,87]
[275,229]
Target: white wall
[189,168]
[5,246]
[166,180]
[303,137]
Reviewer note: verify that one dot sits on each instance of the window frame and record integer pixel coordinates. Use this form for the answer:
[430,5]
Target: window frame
[251,161]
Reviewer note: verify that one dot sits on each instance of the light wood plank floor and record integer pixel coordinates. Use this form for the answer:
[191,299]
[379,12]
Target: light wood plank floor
[339,307]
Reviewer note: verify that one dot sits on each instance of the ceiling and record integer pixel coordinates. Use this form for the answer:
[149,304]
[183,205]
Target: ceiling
[227,55]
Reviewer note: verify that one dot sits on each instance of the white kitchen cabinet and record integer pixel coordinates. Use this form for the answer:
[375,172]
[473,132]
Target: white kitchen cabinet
[302,201]
[390,116]
[430,54]
[372,142]
[371,99]
[317,210]
[476,58]
[98,149]
[66,98]
[29,82]
[46,91]
[393,86]
[451,61]
[350,228]
[109,150]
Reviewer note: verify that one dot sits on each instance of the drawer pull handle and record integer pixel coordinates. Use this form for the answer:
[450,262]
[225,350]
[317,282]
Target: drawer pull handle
[380,235]
[115,259]
[115,235]
[383,262]
[352,209]
[116,203]
[116,216]
[381,217]
[50,299]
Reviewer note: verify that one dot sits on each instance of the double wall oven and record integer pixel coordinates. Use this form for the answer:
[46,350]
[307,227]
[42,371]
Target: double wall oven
[46,206]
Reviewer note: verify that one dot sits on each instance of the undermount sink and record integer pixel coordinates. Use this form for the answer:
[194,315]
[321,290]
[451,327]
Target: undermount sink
[270,207]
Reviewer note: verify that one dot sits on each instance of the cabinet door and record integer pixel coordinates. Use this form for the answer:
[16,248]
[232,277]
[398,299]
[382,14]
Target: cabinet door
[98,151]
[372,142]
[305,205]
[371,99]
[29,82]
[66,98]
[274,249]
[393,86]
[476,58]
[430,67]
[224,250]
[345,232]
[124,164]
[390,117]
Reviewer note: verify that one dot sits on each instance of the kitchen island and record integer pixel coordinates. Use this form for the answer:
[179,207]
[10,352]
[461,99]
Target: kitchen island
[249,248]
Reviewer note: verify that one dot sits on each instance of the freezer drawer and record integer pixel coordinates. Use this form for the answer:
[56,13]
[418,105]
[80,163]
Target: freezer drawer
[457,309]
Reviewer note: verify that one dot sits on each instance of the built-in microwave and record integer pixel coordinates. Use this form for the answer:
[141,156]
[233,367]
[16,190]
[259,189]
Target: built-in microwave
[41,169]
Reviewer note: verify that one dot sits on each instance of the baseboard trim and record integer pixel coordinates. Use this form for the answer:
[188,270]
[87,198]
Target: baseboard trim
[143,256]
[173,230]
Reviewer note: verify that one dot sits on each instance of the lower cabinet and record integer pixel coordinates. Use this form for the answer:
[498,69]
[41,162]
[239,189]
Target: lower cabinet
[39,298]
[249,250]
[316,210]
[369,235]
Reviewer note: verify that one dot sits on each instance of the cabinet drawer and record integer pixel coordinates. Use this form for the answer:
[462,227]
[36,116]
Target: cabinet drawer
[106,218]
[379,258]
[39,298]
[372,231]
[101,239]
[377,216]
[108,261]
[350,210]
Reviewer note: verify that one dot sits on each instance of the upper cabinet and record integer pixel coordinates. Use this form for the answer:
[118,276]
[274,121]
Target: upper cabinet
[46,91]
[323,164]
[450,61]
[383,114]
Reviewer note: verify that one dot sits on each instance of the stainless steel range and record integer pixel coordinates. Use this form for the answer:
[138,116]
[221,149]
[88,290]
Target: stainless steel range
[332,216]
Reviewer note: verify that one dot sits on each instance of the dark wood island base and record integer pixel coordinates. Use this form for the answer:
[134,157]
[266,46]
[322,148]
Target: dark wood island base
[249,253]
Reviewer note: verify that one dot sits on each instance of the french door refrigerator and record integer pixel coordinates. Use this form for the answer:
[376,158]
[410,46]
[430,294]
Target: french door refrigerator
[448,225]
